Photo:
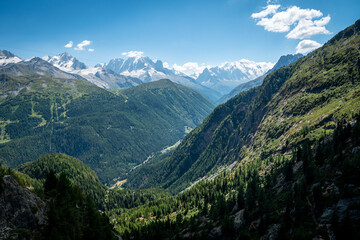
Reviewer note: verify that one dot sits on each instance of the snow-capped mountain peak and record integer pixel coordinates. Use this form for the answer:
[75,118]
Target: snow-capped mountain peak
[65,62]
[7,57]
[139,66]
[228,75]
[97,75]
[147,70]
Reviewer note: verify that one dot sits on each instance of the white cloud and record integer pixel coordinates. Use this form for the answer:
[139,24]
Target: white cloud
[282,21]
[308,28]
[83,44]
[269,9]
[190,68]
[306,46]
[91,49]
[272,1]
[69,45]
[133,54]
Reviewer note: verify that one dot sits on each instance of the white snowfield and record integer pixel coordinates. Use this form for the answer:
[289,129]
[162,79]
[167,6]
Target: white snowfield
[4,60]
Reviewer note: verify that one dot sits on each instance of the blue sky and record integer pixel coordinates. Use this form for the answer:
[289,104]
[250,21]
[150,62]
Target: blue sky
[175,31]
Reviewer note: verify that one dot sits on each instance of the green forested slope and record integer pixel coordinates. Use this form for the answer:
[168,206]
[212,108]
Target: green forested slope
[78,173]
[312,193]
[109,131]
[304,100]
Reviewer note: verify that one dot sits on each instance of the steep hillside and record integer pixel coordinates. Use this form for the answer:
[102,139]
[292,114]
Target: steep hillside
[296,141]
[310,194]
[165,91]
[302,101]
[22,211]
[110,132]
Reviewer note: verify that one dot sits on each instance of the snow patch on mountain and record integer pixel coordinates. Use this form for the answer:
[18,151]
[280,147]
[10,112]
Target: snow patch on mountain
[97,75]
[228,75]
[7,57]
[65,62]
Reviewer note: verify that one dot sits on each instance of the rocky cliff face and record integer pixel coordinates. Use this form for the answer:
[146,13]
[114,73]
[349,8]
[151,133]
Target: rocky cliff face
[21,211]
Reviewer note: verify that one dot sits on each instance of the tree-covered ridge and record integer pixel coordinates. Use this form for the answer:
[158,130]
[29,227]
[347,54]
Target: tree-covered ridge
[86,179]
[181,100]
[76,171]
[73,195]
[111,132]
[304,100]
[312,193]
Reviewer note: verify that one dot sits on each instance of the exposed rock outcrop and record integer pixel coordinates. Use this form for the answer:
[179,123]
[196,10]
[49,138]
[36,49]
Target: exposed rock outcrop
[20,209]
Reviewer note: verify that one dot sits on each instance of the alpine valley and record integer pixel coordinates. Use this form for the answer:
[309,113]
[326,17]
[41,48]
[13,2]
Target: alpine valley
[131,149]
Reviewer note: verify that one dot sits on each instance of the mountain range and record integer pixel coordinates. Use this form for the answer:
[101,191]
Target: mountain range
[147,70]
[282,62]
[17,67]
[119,73]
[134,70]
[220,79]
[124,73]
[98,75]
[228,75]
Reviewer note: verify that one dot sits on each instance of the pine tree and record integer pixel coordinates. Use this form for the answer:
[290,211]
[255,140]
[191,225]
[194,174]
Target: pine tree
[50,182]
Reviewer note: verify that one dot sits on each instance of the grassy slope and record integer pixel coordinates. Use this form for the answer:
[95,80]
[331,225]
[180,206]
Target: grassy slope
[311,94]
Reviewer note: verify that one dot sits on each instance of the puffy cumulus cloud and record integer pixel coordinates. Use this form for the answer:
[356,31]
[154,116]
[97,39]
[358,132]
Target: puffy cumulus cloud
[269,9]
[91,49]
[69,45]
[190,68]
[80,46]
[281,21]
[308,28]
[306,46]
[133,54]
[304,21]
